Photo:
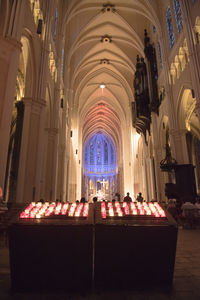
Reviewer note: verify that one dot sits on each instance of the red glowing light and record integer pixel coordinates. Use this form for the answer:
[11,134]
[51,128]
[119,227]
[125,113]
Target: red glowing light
[85,210]
[133,208]
[40,210]
[64,209]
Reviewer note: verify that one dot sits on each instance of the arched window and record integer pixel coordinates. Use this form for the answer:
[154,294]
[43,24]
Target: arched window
[91,153]
[155,63]
[105,153]
[99,156]
[160,55]
[55,23]
[98,152]
[178,15]
[170,27]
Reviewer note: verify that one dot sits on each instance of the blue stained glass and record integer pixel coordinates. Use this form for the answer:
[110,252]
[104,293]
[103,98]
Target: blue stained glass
[91,153]
[155,63]
[105,153]
[86,155]
[160,55]
[178,15]
[55,23]
[112,154]
[99,156]
[98,153]
[170,27]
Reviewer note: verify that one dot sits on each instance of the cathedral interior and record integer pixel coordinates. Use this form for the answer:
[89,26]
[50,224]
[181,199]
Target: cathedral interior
[99,98]
[96,96]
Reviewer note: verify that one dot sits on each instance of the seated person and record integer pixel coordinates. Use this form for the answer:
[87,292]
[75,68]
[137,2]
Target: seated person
[140,198]
[188,207]
[127,198]
[189,212]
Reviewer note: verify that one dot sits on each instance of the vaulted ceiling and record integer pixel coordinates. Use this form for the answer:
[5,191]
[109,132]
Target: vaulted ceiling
[102,42]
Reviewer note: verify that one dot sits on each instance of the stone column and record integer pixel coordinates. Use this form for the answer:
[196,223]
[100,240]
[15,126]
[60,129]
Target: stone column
[178,139]
[51,164]
[33,146]
[153,182]
[159,178]
[157,153]
[9,61]
[24,146]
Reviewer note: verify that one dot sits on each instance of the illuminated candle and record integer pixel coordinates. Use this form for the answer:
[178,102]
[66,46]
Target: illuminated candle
[78,210]
[64,209]
[85,210]
[50,209]
[103,210]
[58,208]
[126,209]
[72,210]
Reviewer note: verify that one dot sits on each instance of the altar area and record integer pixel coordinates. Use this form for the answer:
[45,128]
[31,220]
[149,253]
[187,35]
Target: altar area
[100,170]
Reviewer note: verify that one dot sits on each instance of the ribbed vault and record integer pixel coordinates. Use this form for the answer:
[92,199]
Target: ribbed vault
[102,40]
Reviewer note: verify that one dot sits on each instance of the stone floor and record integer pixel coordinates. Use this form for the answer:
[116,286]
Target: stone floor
[186,284]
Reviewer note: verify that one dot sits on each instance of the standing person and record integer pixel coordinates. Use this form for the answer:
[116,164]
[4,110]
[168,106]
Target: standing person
[83,200]
[139,197]
[127,198]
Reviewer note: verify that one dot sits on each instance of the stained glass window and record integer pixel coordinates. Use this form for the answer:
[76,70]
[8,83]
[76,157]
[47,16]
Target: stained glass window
[178,15]
[86,155]
[99,156]
[155,63]
[112,154]
[105,153]
[98,152]
[170,27]
[55,23]
[160,55]
[91,153]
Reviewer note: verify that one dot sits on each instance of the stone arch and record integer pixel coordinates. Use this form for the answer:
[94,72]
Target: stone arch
[184,104]
[30,63]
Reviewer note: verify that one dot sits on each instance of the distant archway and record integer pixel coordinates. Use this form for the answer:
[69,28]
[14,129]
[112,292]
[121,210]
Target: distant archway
[100,167]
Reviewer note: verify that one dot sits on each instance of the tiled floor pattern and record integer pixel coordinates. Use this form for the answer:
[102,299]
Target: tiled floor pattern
[186,285]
